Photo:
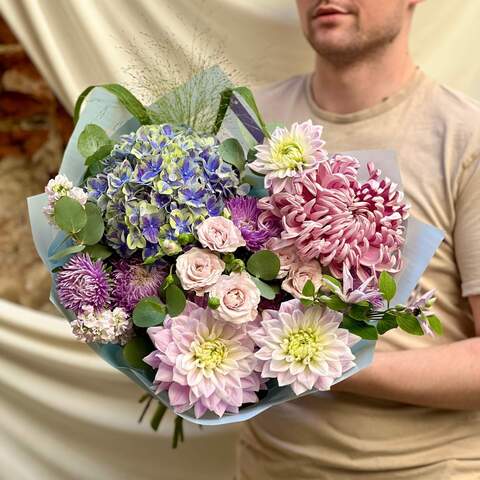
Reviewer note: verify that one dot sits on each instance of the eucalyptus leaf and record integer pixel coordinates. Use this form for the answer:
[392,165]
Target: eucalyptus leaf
[409,323]
[175,300]
[387,286]
[67,251]
[264,264]
[91,139]
[149,312]
[95,159]
[69,215]
[266,291]
[93,230]
[232,152]
[367,332]
[386,323]
[98,251]
[136,350]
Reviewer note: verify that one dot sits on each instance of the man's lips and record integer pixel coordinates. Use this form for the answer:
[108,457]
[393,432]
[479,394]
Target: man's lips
[329,12]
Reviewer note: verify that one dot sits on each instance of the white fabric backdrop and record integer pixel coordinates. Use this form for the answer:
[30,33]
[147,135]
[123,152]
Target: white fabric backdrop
[64,414]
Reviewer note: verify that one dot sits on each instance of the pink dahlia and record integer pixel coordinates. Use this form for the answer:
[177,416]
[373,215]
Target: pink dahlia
[203,363]
[303,347]
[290,152]
[329,215]
[83,283]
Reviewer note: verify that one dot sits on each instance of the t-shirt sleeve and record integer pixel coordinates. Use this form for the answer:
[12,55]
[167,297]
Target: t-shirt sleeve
[467,227]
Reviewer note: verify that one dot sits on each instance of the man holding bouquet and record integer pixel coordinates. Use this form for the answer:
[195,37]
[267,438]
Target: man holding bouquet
[415,412]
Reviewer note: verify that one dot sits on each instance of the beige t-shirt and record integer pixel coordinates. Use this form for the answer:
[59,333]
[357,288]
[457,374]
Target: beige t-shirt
[436,134]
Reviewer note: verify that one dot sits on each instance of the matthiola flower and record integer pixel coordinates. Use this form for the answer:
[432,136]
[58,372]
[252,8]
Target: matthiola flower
[220,235]
[239,298]
[134,281]
[290,152]
[245,215]
[82,282]
[104,326]
[59,187]
[199,270]
[349,294]
[329,215]
[299,274]
[203,363]
[303,347]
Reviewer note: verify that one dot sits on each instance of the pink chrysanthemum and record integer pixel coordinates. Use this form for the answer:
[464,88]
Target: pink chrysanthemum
[290,152]
[303,348]
[203,363]
[134,281]
[82,283]
[328,214]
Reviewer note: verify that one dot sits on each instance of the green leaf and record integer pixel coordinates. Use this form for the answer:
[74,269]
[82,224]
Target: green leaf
[333,280]
[91,139]
[252,155]
[94,161]
[409,323]
[264,265]
[232,152]
[386,285]
[308,289]
[266,291]
[158,416]
[306,302]
[98,251]
[125,97]
[175,300]
[388,322]
[334,303]
[367,332]
[149,312]
[359,312]
[93,230]
[67,251]
[136,350]
[435,324]
[69,215]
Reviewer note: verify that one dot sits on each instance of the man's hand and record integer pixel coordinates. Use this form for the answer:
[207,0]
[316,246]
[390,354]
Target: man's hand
[445,376]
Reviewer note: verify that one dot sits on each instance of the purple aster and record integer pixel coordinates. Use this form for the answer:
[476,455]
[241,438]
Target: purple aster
[245,215]
[82,283]
[134,281]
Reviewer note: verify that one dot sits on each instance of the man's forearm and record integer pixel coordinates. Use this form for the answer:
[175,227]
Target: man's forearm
[446,376]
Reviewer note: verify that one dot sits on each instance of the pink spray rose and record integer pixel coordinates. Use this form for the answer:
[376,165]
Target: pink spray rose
[288,257]
[199,270]
[298,276]
[239,298]
[220,235]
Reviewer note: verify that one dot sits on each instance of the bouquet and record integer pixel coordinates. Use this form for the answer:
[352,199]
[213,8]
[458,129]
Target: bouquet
[223,264]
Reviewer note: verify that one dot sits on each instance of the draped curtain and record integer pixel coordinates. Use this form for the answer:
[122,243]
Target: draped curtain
[64,414]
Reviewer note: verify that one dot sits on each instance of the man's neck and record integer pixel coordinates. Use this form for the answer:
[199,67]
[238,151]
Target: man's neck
[353,87]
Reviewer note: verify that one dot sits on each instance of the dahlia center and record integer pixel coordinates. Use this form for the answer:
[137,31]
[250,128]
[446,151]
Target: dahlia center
[140,277]
[290,154]
[302,346]
[210,354]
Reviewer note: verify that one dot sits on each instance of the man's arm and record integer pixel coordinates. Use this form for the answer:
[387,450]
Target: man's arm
[446,376]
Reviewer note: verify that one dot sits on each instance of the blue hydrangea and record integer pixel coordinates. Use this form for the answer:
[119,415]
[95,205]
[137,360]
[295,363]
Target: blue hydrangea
[159,183]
